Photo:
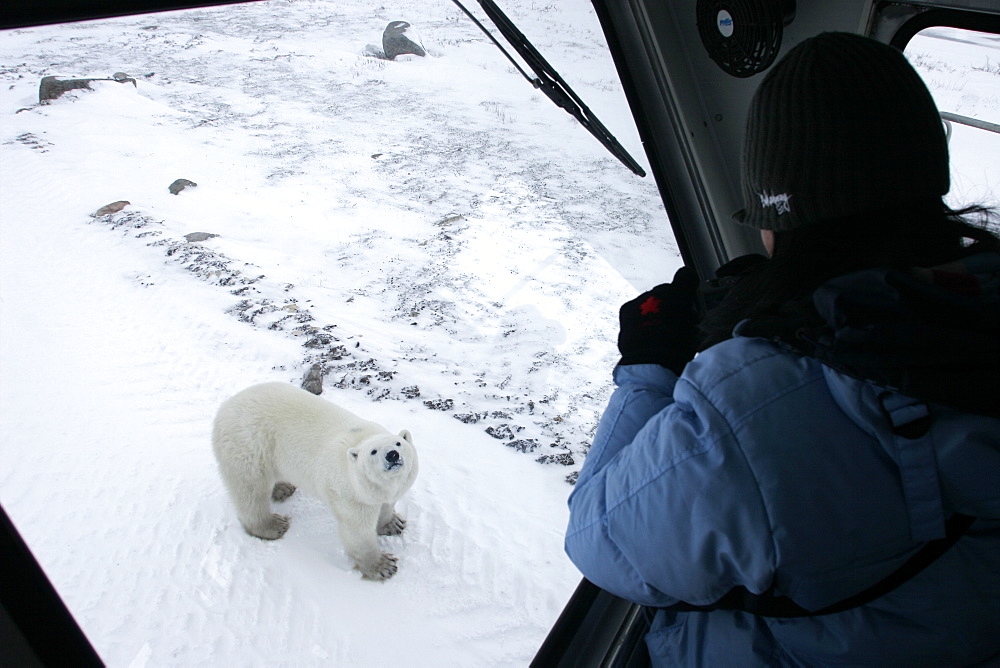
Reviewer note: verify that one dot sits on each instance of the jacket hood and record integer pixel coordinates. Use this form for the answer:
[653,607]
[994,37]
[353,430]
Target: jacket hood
[929,333]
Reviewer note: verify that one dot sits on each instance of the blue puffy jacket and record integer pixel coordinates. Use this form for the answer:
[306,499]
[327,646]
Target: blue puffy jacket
[766,469]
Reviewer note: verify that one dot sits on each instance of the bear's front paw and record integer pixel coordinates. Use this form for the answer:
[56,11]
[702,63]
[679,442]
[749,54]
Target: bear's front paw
[393,527]
[384,569]
[282,490]
[274,529]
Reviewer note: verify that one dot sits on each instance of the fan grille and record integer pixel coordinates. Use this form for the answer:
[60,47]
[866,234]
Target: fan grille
[741,36]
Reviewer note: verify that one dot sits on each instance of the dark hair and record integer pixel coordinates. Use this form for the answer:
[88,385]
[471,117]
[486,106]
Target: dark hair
[804,258]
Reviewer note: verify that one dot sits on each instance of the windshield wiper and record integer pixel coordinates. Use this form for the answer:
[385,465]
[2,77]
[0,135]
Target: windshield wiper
[548,80]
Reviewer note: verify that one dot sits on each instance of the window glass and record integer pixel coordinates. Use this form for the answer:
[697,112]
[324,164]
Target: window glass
[962,70]
[257,192]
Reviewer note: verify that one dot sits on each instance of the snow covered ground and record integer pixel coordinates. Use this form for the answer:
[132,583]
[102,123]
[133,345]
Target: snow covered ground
[443,243]
[436,238]
[962,70]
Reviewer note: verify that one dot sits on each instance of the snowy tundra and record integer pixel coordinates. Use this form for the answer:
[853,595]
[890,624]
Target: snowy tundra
[440,243]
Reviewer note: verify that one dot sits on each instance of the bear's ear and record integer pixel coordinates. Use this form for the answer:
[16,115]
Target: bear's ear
[353,452]
[407,436]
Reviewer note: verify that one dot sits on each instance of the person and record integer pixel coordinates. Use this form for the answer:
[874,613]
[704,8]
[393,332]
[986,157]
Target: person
[820,484]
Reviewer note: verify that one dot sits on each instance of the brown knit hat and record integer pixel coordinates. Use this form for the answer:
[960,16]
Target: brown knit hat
[841,125]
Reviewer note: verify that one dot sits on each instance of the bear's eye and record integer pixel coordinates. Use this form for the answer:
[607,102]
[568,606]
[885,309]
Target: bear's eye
[374,452]
[398,444]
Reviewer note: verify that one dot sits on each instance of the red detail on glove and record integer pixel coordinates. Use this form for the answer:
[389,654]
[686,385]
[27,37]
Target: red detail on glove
[651,305]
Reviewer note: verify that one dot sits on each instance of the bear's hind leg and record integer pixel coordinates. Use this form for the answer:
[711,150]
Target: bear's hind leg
[247,474]
[254,511]
[282,490]
[273,528]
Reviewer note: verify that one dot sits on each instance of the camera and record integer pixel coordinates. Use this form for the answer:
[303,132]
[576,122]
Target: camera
[713,292]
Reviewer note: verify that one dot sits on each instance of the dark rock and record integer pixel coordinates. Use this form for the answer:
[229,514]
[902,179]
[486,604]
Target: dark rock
[411,392]
[319,340]
[379,394]
[195,237]
[447,220]
[504,431]
[51,88]
[114,207]
[249,310]
[563,458]
[523,445]
[313,382]
[179,185]
[337,353]
[396,43]
[440,404]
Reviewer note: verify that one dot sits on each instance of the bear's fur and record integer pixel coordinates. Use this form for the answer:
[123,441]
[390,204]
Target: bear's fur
[270,439]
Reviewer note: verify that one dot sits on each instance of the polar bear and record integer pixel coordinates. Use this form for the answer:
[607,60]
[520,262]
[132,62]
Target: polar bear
[271,438]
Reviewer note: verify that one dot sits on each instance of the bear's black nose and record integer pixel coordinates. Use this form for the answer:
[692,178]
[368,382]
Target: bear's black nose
[392,456]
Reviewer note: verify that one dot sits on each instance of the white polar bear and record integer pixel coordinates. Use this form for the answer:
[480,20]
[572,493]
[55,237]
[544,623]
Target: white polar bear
[271,438]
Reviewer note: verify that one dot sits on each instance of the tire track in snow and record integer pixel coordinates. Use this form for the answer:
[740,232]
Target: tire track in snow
[274,305]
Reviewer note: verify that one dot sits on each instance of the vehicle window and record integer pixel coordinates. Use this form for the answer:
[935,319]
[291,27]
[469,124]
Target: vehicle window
[962,70]
[255,193]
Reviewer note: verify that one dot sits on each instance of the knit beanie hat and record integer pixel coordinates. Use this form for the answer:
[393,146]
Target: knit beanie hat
[842,125]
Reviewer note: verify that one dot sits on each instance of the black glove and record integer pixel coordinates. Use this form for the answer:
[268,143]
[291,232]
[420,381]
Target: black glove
[714,291]
[737,267]
[661,326]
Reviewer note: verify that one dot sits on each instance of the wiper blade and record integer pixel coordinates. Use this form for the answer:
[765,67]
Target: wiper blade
[548,80]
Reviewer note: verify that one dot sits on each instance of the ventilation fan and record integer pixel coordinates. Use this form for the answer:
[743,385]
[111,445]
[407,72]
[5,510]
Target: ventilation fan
[743,36]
